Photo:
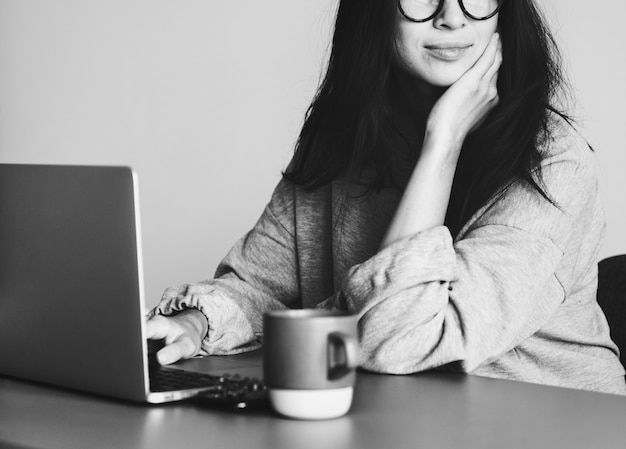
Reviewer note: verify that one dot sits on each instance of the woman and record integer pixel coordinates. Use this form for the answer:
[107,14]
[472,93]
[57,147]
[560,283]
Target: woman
[435,191]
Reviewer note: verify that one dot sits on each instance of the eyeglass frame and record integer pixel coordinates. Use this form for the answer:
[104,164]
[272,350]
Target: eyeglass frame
[440,7]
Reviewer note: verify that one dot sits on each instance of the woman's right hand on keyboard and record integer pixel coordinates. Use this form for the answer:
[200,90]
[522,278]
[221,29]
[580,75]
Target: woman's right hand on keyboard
[182,334]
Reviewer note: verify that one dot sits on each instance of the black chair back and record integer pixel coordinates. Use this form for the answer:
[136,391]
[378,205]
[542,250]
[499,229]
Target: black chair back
[612,298]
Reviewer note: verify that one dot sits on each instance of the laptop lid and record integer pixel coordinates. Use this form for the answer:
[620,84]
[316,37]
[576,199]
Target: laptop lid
[71,287]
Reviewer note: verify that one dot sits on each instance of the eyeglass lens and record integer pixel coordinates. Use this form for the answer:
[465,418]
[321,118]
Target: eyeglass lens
[422,10]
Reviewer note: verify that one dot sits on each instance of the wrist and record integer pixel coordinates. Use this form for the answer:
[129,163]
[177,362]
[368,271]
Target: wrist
[442,146]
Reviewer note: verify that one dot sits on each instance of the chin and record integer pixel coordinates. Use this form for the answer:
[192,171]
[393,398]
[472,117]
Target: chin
[442,76]
[443,80]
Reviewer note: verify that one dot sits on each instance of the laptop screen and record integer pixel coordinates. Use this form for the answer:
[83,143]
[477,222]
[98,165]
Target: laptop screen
[71,292]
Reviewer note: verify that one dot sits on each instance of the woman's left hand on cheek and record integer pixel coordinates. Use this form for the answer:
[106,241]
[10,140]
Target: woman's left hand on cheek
[468,101]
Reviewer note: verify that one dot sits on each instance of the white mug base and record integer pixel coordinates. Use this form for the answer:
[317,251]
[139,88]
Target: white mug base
[312,404]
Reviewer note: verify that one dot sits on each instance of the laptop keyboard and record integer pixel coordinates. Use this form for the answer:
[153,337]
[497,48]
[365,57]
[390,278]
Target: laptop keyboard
[225,388]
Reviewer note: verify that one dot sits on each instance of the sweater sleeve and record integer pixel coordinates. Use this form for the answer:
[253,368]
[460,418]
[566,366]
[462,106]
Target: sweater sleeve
[427,301]
[258,274]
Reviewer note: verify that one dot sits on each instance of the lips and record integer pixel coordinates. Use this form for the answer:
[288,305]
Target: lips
[448,51]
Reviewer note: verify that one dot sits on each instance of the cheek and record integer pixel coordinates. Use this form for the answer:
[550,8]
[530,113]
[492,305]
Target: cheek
[402,54]
[486,38]
[407,49]
[483,38]
[412,62]
[487,29]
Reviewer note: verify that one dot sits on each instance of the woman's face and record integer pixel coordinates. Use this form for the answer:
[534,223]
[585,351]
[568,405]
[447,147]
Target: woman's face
[441,50]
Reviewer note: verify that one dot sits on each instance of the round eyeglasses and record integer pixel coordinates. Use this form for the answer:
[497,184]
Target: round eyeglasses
[425,10]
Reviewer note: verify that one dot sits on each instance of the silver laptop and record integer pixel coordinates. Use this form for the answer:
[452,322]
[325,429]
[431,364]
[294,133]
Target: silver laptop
[71,288]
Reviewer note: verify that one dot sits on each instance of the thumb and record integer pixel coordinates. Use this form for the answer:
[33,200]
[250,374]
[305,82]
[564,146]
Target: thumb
[157,327]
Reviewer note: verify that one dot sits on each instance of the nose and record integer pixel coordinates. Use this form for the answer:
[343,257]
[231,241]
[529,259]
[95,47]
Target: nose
[451,16]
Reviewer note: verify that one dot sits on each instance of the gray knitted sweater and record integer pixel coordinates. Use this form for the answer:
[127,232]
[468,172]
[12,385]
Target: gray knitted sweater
[513,295]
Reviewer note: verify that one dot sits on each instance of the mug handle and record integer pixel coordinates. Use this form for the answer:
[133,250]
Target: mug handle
[342,355]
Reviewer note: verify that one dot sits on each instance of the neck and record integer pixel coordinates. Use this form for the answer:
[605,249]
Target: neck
[412,100]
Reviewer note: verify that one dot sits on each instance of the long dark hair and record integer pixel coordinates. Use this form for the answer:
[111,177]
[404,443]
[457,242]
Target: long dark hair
[349,127]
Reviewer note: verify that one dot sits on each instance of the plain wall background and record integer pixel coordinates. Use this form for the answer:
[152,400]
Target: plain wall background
[205,98]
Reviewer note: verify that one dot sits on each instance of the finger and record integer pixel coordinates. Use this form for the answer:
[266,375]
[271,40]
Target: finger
[492,72]
[494,79]
[488,57]
[492,91]
[179,349]
[157,327]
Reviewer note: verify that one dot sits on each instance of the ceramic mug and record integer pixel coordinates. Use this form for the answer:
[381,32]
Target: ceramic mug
[309,361]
